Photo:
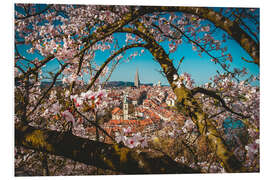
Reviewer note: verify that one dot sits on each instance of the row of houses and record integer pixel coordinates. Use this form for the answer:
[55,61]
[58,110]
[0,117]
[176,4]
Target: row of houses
[143,109]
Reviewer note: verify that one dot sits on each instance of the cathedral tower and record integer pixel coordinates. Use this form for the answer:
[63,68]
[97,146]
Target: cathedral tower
[137,80]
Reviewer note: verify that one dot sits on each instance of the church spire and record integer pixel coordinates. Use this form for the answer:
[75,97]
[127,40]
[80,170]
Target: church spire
[137,80]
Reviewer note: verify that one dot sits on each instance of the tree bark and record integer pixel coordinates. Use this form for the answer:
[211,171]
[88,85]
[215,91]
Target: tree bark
[106,156]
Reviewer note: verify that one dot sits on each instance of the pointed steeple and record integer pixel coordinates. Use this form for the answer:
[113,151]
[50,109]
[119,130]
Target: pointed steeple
[137,80]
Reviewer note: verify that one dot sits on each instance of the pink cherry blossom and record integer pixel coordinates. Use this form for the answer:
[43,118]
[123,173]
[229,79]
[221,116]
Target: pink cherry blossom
[69,117]
[119,137]
[55,108]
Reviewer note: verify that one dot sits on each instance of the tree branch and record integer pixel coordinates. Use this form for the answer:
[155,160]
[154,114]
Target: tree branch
[33,70]
[94,124]
[220,21]
[49,88]
[102,155]
[111,58]
[38,13]
[216,96]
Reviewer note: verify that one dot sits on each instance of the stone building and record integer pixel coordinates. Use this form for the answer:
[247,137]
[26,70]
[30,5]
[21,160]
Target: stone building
[137,80]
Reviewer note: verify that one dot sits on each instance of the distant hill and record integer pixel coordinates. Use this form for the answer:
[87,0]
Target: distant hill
[118,84]
[107,84]
[122,84]
[44,84]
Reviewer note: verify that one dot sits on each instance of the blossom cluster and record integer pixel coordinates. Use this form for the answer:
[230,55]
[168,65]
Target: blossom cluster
[131,140]
[93,99]
[241,98]
[183,79]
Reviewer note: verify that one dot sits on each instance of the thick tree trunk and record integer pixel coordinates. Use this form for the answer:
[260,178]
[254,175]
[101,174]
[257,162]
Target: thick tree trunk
[101,155]
[189,105]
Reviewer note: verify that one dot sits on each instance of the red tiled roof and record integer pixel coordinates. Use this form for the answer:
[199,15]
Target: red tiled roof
[146,122]
[115,110]
[164,105]
[132,122]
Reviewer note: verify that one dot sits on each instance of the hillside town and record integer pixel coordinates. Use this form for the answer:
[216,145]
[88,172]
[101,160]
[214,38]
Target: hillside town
[142,108]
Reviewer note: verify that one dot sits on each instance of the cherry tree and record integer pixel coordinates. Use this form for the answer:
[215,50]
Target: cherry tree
[54,121]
